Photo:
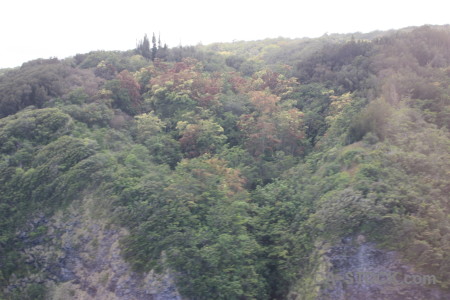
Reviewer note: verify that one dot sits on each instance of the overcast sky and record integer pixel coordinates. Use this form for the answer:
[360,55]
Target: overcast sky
[47,28]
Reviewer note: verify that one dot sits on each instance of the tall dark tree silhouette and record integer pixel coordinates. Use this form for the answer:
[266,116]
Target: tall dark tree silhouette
[143,47]
[154,48]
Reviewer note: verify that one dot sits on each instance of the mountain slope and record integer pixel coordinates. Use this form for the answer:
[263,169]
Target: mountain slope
[224,168]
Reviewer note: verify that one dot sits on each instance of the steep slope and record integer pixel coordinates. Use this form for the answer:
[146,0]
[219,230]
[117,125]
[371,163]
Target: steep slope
[217,172]
[78,256]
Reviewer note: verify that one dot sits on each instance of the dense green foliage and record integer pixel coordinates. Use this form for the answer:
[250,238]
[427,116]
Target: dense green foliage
[226,162]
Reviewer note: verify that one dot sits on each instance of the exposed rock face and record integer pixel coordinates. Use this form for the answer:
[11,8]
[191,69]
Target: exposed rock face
[357,269]
[79,258]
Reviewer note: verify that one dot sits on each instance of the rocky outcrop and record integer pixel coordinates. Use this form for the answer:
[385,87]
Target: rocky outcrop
[77,253]
[355,269]
[78,256]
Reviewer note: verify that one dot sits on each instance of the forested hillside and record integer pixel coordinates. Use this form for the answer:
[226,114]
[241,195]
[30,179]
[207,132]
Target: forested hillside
[227,163]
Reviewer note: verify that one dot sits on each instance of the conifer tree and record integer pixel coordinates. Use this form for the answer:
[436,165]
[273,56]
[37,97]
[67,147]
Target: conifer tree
[154,48]
[143,48]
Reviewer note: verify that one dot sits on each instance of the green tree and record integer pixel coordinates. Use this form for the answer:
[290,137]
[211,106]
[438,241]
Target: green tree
[154,47]
[148,125]
[200,223]
[143,47]
[204,136]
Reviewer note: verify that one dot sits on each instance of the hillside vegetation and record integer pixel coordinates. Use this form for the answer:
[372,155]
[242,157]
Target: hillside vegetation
[227,162]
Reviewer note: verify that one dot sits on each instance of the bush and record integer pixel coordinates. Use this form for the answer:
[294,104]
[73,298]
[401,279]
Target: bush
[372,119]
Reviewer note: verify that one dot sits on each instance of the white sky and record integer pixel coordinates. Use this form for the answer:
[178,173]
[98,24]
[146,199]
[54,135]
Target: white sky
[31,29]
